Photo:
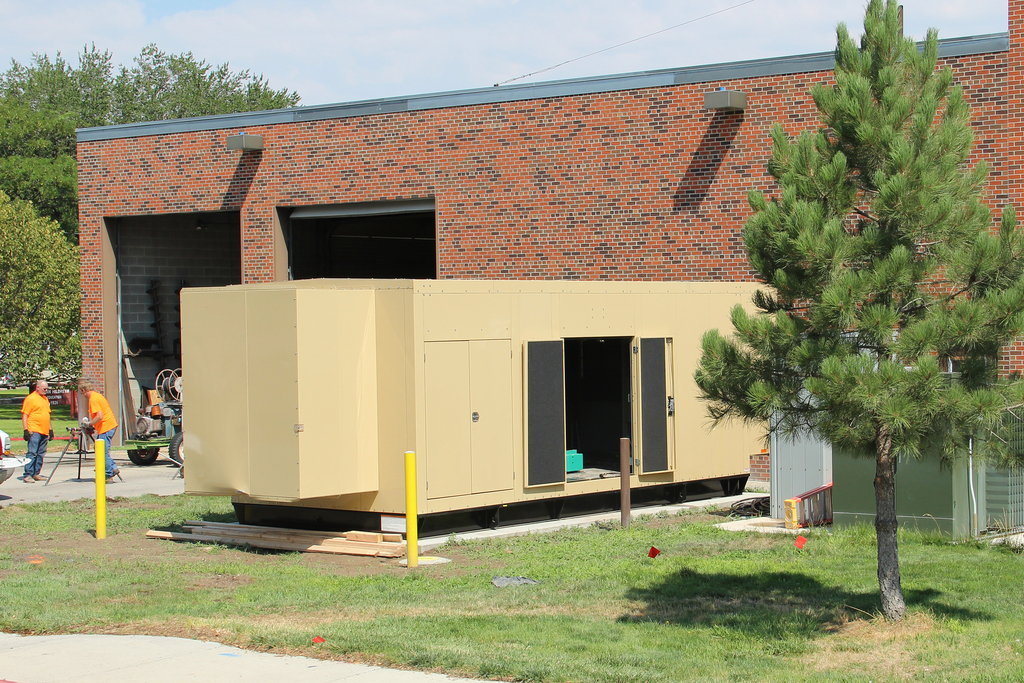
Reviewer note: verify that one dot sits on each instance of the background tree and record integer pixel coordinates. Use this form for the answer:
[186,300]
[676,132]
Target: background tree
[883,268]
[37,162]
[39,301]
[41,105]
[43,102]
[166,86]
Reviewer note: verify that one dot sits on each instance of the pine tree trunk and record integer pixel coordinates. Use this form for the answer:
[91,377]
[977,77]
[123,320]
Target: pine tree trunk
[893,606]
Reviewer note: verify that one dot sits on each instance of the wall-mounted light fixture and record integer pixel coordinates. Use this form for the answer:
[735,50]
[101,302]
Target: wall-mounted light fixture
[725,100]
[246,143]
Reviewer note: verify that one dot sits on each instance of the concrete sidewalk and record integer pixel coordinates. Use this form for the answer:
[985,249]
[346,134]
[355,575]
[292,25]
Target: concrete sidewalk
[157,478]
[155,659]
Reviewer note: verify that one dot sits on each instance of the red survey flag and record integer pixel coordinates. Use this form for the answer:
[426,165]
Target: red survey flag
[653,552]
[800,542]
[318,639]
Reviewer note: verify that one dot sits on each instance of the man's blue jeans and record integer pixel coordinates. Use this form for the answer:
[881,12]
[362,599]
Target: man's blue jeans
[107,437]
[36,450]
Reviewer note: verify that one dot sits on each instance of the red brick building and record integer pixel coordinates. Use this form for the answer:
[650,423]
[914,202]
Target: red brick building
[624,177]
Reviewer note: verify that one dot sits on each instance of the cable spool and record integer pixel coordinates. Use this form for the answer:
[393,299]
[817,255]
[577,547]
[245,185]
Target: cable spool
[168,383]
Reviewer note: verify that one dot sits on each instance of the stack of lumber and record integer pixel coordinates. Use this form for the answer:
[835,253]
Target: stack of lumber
[350,543]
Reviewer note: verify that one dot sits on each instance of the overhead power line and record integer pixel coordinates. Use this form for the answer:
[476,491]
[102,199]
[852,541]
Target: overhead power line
[576,59]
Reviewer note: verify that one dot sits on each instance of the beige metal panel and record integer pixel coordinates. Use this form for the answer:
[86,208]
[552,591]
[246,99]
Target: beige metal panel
[594,315]
[321,391]
[732,443]
[215,407]
[359,451]
[337,392]
[396,395]
[448,419]
[661,314]
[536,315]
[706,451]
[270,327]
[466,316]
[490,379]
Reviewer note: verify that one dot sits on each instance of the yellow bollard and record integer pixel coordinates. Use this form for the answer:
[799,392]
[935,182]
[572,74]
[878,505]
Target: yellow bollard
[101,489]
[412,537]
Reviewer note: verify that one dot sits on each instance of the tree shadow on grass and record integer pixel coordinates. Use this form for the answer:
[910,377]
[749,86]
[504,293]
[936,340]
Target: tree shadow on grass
[768,605]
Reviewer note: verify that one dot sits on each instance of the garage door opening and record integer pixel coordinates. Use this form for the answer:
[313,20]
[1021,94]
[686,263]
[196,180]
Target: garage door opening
[155,257]
[598,411]
[389,240]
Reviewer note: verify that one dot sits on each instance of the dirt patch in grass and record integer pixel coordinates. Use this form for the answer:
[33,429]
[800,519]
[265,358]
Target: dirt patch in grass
[126,547]
[194,582]
[662,521]
[173,628]
[49,547]
[873,647]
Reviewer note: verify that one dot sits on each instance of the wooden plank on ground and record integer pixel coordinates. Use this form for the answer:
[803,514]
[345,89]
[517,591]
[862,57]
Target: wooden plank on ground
[284,539]
[311,539]
[235,525]
[354,549]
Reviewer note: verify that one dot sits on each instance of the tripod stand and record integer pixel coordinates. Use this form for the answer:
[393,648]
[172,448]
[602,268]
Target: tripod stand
[81,439]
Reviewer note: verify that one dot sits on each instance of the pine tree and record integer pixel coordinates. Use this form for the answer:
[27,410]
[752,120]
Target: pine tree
[884,270]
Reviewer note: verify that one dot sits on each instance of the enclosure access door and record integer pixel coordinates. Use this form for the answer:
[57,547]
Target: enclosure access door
[545,413]
[468,417]
[657,406]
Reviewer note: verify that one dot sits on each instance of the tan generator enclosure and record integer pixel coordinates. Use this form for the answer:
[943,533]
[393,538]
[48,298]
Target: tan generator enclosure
[308,393]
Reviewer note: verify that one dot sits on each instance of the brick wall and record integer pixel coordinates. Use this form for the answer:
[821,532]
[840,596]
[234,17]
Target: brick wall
[640,184]
[760,467]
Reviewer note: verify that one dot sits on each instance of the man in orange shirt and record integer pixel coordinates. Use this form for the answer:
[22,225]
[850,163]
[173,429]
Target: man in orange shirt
[101,418]
[35,420]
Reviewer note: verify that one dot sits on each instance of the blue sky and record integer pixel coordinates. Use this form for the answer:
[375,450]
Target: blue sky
[155,9]
[348,50]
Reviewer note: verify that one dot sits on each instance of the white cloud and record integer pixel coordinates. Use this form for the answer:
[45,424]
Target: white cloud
[66,27]
[343,50]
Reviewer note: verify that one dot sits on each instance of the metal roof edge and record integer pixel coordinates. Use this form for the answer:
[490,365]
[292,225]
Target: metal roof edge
[772,66]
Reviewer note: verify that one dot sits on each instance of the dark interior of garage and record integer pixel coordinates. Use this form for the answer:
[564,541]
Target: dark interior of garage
[157,256]
[395,245]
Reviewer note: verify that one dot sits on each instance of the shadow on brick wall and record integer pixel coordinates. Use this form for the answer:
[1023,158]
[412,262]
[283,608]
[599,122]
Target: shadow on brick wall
[241,181]
[706,160]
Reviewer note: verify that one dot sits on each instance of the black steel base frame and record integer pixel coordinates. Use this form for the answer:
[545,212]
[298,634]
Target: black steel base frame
[491,517]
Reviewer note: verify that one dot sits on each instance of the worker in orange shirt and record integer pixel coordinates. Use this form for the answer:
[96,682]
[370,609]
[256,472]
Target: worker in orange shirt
[35,420]
[101,418]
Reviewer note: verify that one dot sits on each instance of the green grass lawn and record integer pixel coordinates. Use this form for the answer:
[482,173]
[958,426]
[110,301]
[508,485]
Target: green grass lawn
[10,421]
[714,606]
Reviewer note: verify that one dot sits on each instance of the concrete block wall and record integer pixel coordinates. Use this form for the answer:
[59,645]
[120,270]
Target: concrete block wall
[173,251]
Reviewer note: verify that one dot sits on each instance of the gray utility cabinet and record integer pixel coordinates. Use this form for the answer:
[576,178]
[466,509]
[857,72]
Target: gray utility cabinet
[798,464]
[930,495]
